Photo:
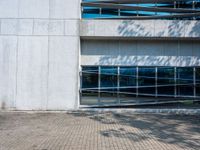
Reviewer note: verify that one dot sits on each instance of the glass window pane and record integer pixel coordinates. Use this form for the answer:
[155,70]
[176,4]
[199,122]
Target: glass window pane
[197,81]
[146,81]
[165,81]
[127,80]
[108,84]
[184,77]
[89,85]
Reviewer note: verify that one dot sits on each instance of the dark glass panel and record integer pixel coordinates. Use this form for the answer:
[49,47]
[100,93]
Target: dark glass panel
[127,80]
[146,81]
[184,77]
[108,84]
[165,81]
[90,77]
[89,89]
[197,81]
[108,11]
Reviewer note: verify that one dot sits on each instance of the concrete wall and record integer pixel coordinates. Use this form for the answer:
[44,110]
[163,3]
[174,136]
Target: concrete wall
[140,52]
[39,50]
[140,28]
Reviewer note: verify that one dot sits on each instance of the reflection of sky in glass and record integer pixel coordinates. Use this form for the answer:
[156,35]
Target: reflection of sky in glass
[94,12]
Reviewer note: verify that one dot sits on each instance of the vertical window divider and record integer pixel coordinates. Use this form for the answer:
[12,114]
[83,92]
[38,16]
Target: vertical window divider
[193,7]
[156,81]
[119,13]
[194,81]
[99,84]
[80,88]
[100,11]
[118,84]
[156,7]
[175,89]
[136,81]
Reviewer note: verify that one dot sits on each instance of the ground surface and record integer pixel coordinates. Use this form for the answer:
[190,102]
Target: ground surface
[98,131]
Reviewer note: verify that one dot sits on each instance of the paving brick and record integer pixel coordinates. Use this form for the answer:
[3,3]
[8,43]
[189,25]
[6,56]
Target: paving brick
[98,131]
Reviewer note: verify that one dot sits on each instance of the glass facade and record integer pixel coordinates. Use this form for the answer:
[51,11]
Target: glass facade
[127,84]
[146,81]
[108,84]
[185,82]
[138,85]
[166,81]
[89,82]
[137,9]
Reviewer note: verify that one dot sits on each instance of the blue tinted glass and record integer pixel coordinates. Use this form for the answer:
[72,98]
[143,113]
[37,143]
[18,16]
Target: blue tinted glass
[197,81]
[146,81]
[184,77]
[90,77]
[166,81]
[108,76]
[127,80]
[113,9]
[89,88]
[108,84]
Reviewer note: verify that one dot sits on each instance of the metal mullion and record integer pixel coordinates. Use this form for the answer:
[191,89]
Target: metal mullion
[156,81]
[194,81]
[80,90]
[118,84]
[175,89]
[156,6]
[100,11]
[174,6]
[119,12]
[193,7]
[99,84]
[137,81]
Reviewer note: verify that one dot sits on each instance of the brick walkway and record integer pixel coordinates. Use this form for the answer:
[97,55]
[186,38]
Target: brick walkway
[98,131]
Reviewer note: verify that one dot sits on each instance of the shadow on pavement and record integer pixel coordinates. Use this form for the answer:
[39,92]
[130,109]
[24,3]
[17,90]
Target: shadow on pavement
[183,130]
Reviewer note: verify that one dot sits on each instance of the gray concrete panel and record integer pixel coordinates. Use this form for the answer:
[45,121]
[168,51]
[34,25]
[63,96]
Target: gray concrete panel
[41,27]
[32,73]
[63,73]
[169,28]
[62,9]
[140,28]
[72,27]
[185,48]
[56,27]
[33,8]
[192,28]
[39,51]
[8,49]
[141,53]
[196,49]
[9,26]
[170,48]
[25,26]
[9,8]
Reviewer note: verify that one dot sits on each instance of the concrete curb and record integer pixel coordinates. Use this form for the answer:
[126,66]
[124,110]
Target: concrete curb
[127,110]
[146,111]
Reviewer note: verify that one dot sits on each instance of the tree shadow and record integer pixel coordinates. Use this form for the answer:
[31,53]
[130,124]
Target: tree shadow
[182,130]
[147,60]
[158,28]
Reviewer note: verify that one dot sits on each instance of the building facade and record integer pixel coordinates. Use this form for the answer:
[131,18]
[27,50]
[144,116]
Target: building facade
[65,54]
